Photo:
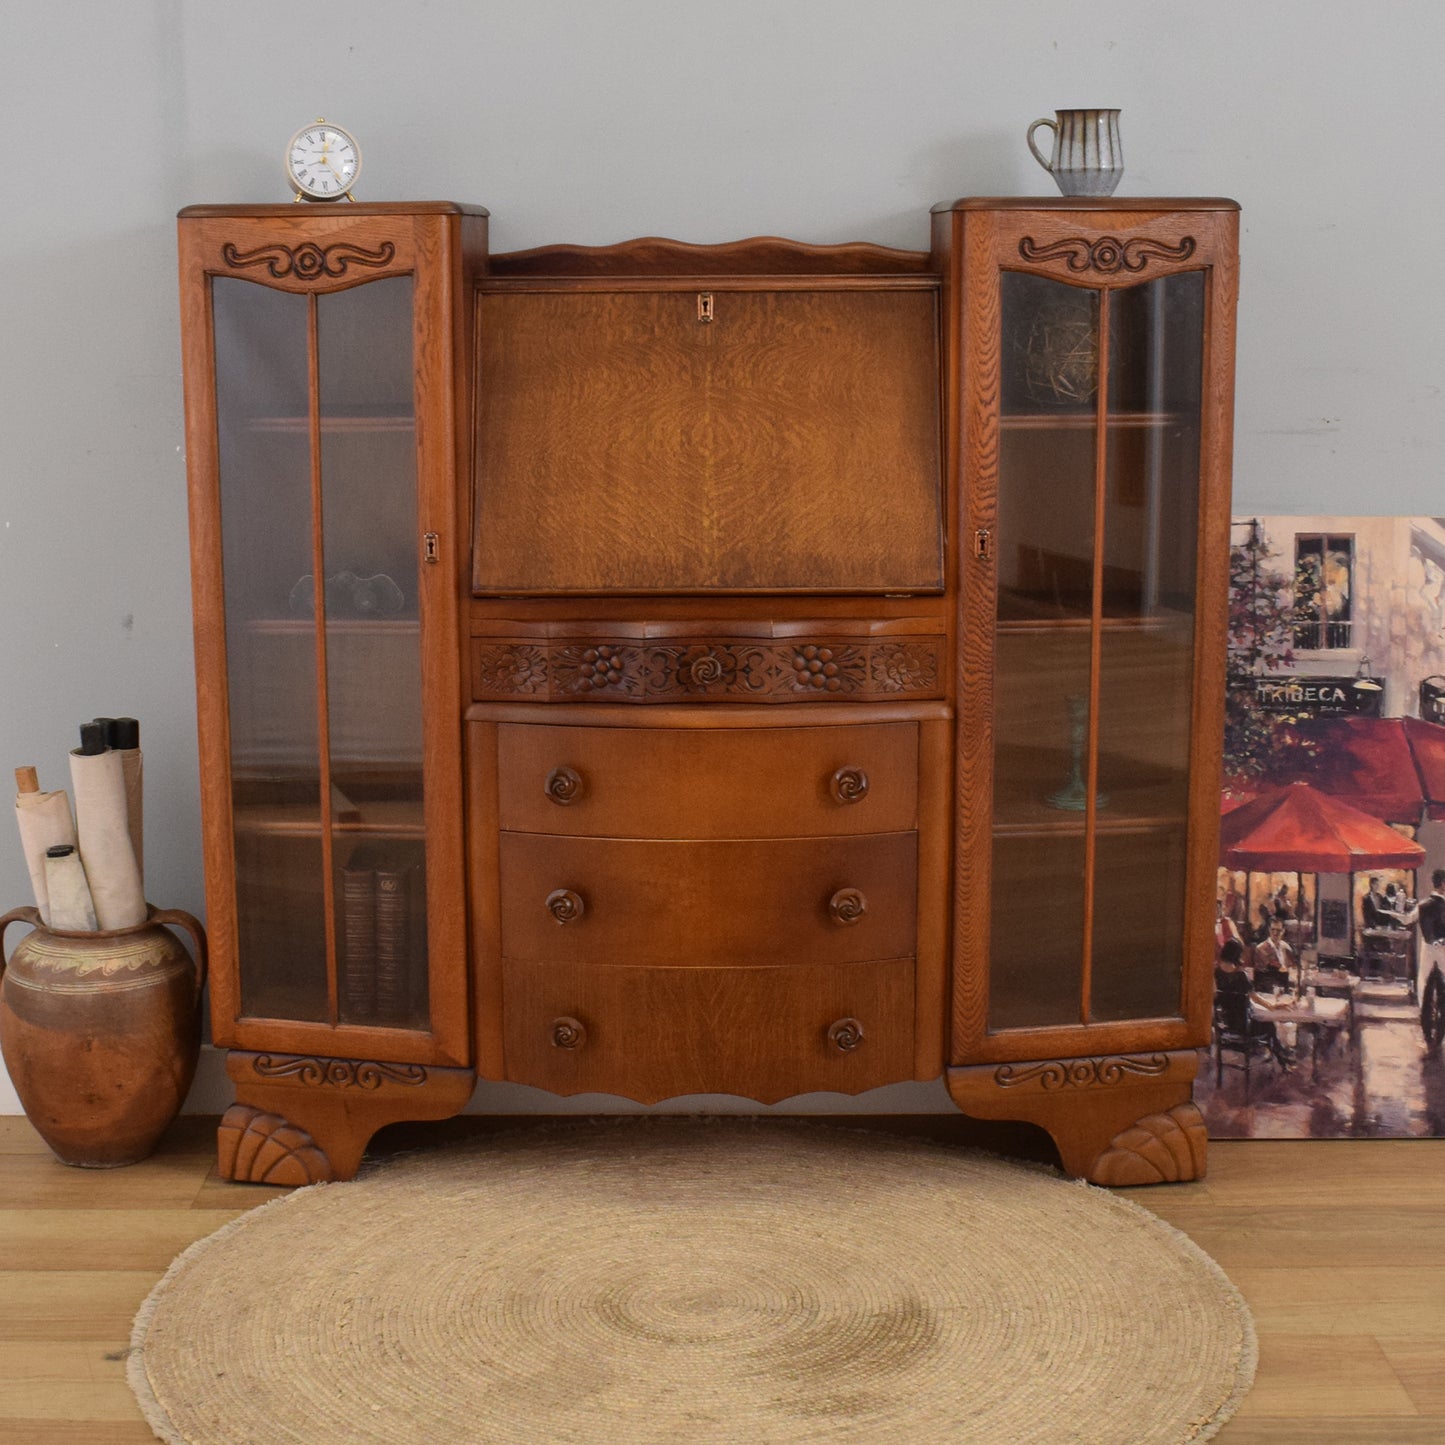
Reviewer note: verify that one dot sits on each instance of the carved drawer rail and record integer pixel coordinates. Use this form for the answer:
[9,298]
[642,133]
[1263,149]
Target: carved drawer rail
[597,669]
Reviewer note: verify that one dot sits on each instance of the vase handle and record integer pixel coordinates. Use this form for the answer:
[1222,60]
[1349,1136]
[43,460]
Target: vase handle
[28,914]
[179,918]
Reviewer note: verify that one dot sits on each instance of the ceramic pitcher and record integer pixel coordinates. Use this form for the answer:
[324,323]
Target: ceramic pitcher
[100,1032]
[1087,158]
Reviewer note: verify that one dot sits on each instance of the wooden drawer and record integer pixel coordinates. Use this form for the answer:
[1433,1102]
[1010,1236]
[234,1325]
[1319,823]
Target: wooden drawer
[669,903]
[628,782]
[656,1033]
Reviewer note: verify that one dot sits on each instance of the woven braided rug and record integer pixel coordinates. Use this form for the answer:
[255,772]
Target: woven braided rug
[693,1281]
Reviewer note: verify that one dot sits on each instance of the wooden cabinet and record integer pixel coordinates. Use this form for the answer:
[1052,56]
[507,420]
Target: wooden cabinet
[1095,412]
[750,669]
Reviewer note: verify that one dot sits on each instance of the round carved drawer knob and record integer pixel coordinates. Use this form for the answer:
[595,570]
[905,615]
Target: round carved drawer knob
[848,785]
[564,785]
[845,1035]
[565,906]
[847,906]
[571,1033]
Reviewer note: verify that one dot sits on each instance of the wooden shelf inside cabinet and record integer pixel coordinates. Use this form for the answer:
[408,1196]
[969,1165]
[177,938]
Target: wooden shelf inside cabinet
[297,626]
[1072,825]
[1081,420]
[300,820]
[1051,621]
[301,425]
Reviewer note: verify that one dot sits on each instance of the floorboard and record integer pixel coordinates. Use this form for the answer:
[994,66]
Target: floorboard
[1330,1242]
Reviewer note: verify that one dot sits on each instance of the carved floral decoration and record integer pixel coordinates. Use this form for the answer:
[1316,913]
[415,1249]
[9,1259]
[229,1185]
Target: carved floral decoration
[692,671]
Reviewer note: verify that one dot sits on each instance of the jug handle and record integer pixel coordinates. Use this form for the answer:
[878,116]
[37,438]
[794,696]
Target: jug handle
[179,918]
[1030,138]
[29,914]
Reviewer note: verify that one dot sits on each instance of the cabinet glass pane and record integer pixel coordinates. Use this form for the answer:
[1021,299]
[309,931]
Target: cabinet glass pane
[1044,550]
[1040,693]
[265,497]
[373,650]
[1045,532]
[1146,655]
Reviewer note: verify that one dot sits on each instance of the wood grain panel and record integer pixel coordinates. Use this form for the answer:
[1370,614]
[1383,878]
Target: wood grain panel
[791,444]
[725,783]
[760,1032]
[671,904]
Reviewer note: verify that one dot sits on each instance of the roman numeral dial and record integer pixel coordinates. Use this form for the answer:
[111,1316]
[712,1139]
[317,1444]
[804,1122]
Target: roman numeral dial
[322,162]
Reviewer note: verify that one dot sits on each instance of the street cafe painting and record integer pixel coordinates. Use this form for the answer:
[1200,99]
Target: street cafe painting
[1329,1005]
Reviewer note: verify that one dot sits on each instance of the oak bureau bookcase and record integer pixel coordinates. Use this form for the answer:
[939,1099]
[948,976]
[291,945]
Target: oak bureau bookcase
[758,669]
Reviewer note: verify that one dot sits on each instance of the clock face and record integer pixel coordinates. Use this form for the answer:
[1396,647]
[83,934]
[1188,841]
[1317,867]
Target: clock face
[323,161]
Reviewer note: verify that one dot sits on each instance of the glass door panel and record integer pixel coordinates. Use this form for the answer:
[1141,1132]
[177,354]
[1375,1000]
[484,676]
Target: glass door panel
[1095,548]
[372,632]
[1146,645]
[265,503]
[1044,549]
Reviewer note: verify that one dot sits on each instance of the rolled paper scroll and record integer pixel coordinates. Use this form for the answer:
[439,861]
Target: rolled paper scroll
[44,821]
[71,907]
[122,734]
[105,846]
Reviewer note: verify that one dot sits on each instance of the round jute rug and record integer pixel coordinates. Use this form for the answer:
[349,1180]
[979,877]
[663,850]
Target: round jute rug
[693,1281]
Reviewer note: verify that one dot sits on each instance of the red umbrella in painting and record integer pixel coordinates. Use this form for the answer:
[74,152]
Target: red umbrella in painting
[1296,829]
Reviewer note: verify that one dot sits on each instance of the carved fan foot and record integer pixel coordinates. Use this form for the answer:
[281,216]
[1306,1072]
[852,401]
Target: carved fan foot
[254,1147]
[1159,1149]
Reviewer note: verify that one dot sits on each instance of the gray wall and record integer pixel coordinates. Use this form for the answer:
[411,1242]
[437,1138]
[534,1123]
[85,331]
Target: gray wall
[824,120]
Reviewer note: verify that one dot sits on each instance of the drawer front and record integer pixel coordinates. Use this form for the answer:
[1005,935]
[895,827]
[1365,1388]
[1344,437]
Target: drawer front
[708,782]
[676,904]
[764,1033]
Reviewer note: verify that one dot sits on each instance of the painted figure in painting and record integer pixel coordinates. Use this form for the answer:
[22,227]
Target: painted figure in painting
[1241,1010]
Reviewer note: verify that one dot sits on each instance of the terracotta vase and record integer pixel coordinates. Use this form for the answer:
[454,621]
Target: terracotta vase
[100,1032]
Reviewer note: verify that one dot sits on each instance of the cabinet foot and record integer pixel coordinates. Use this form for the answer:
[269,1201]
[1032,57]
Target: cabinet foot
[1117,1120]
[304,1120]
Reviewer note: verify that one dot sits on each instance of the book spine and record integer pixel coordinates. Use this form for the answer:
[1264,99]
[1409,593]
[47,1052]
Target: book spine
[359,935]
[393,945]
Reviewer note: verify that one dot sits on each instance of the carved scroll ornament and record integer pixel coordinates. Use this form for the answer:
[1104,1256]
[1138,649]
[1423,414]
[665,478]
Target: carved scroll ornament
[1081,1073]
[337,1073]
[308,261]
[1107,254]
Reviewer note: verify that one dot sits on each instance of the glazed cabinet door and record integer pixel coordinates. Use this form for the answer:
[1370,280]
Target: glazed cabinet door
[318,371]
[1096,518]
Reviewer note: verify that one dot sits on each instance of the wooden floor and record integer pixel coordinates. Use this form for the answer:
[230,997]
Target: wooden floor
[1339,1247]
